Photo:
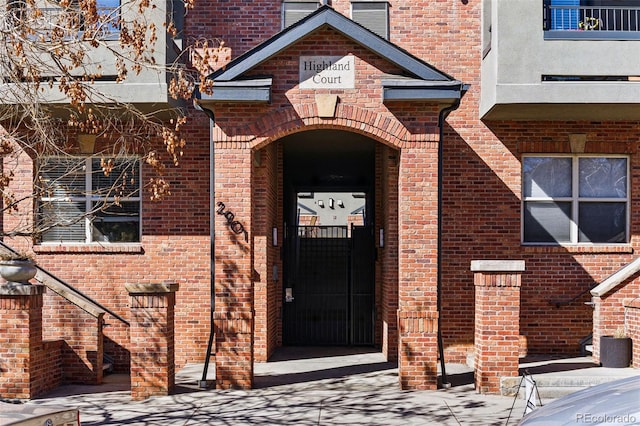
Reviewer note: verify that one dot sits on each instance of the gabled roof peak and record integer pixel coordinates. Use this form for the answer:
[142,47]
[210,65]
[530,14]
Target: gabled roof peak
[326,16]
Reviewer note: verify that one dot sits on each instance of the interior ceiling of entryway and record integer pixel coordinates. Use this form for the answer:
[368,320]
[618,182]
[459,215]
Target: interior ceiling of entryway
[329,159]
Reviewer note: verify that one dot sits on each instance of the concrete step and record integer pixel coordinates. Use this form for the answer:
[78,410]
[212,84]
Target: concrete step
[552,387]
[556,377]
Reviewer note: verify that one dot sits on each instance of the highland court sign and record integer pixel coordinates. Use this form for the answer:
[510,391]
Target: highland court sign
[327,72]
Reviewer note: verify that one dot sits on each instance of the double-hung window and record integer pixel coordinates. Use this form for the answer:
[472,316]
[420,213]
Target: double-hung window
[293,11]
[572,199]
[373,15]
[87,200]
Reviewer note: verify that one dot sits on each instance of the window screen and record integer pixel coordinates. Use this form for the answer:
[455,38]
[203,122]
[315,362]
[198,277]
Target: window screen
[81,203]
[293,11]
[372,15]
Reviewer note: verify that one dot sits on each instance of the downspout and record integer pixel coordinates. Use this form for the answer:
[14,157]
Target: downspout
[442,116]
[212,263]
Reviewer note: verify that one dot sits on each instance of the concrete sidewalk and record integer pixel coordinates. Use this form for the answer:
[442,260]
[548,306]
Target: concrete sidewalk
[297,388]
[319,386]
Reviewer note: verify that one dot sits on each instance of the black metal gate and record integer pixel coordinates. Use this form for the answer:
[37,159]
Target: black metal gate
[329,286]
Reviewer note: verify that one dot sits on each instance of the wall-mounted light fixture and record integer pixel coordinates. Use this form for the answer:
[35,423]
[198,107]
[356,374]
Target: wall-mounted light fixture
[274,236]
[381,238]
[331,203]
[340,203]
[321,203]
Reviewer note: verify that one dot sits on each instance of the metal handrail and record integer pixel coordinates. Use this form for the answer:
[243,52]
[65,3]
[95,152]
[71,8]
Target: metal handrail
[67,291]
[558,303]
[622,274]
[67,19]
[591,18]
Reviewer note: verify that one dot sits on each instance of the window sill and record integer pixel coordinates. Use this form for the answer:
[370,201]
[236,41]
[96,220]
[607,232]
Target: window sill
[577,249]
[94,248]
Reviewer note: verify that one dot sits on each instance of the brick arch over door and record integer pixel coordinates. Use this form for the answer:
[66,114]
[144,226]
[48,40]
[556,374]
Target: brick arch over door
[383,128]
[410,129]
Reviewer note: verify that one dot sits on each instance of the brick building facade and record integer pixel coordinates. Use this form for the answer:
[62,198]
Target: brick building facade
[442,185]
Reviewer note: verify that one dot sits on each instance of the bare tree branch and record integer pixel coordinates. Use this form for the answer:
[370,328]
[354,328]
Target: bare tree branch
[63,65]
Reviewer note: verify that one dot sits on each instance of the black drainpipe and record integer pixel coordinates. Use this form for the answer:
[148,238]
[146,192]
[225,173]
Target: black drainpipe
[441,117]
[212,265]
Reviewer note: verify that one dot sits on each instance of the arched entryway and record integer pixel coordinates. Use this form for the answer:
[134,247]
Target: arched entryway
[329,251]
[397,100]
[326,199]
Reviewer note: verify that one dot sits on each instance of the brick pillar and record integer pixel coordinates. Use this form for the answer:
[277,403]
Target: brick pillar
[417,267]
[234,355]
[387,195]
[152,339]
[418,354]
[497,321]
[21,332]
[235,240]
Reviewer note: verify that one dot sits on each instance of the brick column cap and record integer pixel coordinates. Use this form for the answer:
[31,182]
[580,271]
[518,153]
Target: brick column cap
[152,288]
[21,290]
[497,265]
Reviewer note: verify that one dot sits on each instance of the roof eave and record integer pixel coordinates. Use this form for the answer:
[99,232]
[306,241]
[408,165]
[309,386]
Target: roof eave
[326,16]
[254,90]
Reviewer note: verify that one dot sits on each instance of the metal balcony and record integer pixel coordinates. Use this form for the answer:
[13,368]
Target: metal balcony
[580,64]
[591,22]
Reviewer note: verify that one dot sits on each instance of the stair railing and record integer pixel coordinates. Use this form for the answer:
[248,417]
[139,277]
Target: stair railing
[66,291]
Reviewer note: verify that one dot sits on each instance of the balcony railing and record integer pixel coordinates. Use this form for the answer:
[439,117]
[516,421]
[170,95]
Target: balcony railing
[47,20]
[107,26]
[590,18]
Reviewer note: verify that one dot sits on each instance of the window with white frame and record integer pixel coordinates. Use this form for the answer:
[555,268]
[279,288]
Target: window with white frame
[373,15]
[486,27]
[293,11]
[60,18]
[85,200]
[572,199]
[109,10]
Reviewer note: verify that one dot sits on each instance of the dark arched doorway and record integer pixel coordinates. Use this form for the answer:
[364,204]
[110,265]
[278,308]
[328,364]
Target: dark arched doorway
[329,247]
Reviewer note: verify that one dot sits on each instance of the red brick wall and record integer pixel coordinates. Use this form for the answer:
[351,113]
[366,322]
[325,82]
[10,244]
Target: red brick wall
[267,193]
[481,190]
[82,335]
[496,338]
[29,366]
[51,367]
[632,326]
[614,311]
[174,246]
[20,322]
[482,171]
[482,218]
[152,343]
[417,270]
[234,270]
[241,24]
[387,196]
